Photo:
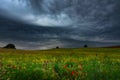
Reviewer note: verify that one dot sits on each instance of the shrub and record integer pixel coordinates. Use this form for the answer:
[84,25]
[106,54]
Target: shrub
[10,46]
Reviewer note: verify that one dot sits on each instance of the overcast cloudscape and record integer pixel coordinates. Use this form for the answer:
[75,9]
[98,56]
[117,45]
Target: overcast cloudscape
[44,24]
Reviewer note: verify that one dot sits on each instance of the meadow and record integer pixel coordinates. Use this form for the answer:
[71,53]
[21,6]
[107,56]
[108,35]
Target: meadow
[60,64]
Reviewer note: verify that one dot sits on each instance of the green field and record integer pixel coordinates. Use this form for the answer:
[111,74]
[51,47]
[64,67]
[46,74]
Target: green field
[60,64]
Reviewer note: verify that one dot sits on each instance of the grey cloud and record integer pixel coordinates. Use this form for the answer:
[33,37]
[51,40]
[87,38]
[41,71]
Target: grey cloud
[92,22]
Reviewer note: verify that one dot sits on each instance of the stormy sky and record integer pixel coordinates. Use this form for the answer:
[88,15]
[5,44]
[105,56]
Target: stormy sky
[45,24]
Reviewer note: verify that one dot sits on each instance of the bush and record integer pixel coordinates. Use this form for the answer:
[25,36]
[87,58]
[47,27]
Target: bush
[85,46]
[10,46]
[57,47]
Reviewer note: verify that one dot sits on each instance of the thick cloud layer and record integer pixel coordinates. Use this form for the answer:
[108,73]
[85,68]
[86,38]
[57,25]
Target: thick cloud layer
[42,24]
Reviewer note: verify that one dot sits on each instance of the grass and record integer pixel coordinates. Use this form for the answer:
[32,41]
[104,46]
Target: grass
[60,64]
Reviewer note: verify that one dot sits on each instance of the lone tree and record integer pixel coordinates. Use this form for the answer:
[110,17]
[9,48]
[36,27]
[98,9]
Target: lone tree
[57,47]
[85,46]
[10,46]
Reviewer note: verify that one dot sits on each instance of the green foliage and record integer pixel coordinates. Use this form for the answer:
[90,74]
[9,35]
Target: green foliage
[60,64]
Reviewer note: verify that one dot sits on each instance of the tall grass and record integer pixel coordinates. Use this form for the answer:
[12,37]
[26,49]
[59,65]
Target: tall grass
[60,64]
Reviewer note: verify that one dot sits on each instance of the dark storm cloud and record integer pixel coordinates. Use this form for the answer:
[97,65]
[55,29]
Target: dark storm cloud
[30,36]
[67,23]
[96,15]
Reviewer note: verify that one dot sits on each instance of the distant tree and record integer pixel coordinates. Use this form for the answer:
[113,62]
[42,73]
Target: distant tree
[57,47]
[85,46]
[10,46]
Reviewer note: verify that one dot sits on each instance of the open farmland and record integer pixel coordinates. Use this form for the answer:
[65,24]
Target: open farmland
[60,64]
